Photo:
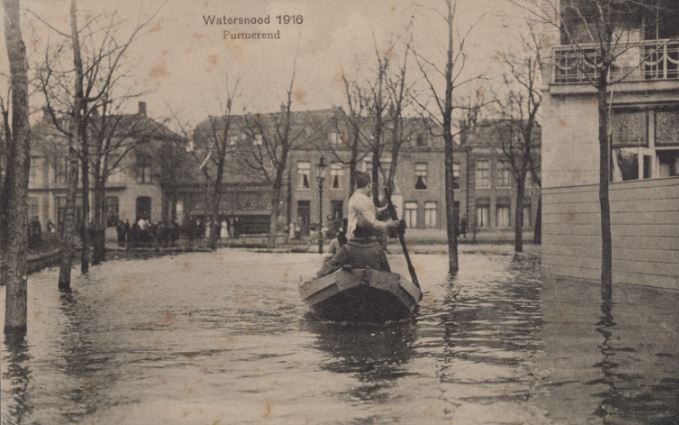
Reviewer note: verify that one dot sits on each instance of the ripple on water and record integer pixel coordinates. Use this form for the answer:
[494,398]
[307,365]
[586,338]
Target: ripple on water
[223,338]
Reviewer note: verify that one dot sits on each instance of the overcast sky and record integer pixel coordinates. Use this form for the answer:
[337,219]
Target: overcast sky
[182,62]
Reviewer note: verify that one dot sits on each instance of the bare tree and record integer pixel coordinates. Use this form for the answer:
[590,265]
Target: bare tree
[399,94]
[599,36]
[216,138]
[76,92]
[519,131]
[350,127]
[442,112]
[378,109]
[273,136]
[16,148]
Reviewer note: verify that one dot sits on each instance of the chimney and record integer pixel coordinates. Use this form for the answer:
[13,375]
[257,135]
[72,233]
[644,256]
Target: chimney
[142,109]
[283,107]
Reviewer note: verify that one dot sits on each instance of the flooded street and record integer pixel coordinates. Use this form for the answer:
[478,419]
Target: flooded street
[223,338]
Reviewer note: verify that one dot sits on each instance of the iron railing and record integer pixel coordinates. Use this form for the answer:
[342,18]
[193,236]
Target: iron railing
[642,61]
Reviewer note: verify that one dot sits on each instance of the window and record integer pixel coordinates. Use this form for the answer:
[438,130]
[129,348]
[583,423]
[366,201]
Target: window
[143,168]
[33,207]
[112,210]
[456,176]
[504,177]
[258,140]
[483,174]
[115,176]
[502,215]
[336,173]
[383,171]
[668,162]
[482,216]
[410,214]
[334,138]
[644,144]
[33,171]
[337,209]
[61,212]
[233,140]
[528,183]
[526,215]
[303,173]
[421,140]
[61,169]
[421,176]
[430,209]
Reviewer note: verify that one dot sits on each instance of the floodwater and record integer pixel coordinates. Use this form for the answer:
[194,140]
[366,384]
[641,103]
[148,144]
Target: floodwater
[222,338]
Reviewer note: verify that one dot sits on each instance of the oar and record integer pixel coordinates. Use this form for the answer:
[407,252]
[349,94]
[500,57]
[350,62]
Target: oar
[401,238]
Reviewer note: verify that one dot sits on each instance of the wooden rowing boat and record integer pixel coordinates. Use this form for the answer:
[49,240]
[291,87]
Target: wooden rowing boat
[361,295]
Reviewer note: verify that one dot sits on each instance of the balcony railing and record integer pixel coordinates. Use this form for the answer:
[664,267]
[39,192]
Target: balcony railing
[642,61]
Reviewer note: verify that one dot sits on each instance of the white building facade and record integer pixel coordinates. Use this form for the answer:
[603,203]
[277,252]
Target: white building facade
[644,153]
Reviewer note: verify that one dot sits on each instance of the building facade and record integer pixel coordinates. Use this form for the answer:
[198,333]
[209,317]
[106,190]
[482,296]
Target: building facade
[643,147]
[134,188]
[491,185]
[485,197]
[160,180]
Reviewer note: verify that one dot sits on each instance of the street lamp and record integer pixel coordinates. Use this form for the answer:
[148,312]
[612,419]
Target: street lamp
[320,177]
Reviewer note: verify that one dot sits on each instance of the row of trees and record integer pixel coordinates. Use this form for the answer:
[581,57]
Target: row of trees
[85,84]
[81,79]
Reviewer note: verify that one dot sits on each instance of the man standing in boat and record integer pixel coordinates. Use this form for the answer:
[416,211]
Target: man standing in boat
[362,251]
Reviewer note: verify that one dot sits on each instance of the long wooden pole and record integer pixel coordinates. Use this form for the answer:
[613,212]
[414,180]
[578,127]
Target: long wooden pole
[401,239]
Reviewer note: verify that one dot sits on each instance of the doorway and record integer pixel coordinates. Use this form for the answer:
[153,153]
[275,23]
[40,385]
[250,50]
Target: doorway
[143,207]
[304,216]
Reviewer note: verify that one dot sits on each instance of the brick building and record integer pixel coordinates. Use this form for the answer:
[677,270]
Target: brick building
[134,189]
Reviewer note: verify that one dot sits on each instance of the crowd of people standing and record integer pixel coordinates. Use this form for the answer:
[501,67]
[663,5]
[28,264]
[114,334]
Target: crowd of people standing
[144,232]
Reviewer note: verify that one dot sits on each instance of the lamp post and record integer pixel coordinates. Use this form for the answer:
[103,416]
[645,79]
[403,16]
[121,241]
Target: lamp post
[320,177]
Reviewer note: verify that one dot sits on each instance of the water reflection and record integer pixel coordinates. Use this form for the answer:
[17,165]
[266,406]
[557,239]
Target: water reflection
[86,369]
[629,395]
[493,326]
[17,379]
[217,338]
[376,355]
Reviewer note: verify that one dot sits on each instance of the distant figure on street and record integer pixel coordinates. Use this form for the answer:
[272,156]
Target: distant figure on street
[291,231]
[51,227]
[208,228]
[120,233]
[224,229]
[463,226]
[126,232]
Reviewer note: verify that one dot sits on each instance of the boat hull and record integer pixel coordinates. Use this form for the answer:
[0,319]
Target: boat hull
[361,296]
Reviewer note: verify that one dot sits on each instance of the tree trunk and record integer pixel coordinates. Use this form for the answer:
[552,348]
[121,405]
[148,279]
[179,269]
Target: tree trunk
[99,219]
[375,174]
[451,214]
[275,210]
[81,105]
[85,176]
[216,199]
[518,220]
[68,233]
[604,203]
[15,244]
[537,230]
[353,160]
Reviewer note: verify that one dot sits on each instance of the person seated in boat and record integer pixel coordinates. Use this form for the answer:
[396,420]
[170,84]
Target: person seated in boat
[362,250]
[338,241]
